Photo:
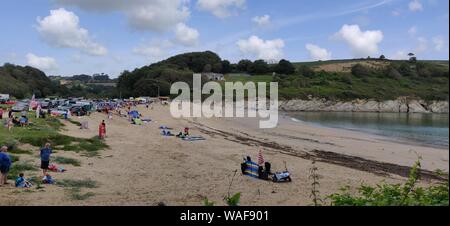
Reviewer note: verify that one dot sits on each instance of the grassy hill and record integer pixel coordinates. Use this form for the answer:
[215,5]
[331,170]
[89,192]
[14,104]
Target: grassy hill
[363,79]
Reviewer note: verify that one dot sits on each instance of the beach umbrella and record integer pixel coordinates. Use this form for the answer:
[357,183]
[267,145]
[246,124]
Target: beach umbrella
[260,158]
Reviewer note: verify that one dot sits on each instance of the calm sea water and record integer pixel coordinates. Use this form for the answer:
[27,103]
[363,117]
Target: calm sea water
[425,129]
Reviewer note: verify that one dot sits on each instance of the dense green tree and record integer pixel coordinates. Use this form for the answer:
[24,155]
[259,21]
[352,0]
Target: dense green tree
[226,67]
[243,65]
[258,67]
[285,67]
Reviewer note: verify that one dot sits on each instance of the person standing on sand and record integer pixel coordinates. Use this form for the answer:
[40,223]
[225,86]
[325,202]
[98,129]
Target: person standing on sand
[1,113]
[46,151]
[102,130]
[10,124]
[5,165]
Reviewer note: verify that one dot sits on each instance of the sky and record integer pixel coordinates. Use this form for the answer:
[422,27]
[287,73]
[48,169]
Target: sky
[69,37]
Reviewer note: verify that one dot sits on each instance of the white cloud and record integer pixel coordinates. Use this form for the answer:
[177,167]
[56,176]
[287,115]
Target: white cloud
[262,21]
[400,55]
[317,53]
[42,63]
[220,8]
[422,45]
[412,31]
[361,43]
[262,49]
[62,29]
[185,35]
[439,43]
[396,13]
[415,6]
[155,50]
[154,15]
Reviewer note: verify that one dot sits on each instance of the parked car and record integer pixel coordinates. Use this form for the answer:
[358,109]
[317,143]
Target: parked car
[19,107]
[45,105]
[78,111]
[64,107]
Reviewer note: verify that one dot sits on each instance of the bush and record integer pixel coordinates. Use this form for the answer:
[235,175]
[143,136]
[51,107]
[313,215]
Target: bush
[395,194]
[361,70]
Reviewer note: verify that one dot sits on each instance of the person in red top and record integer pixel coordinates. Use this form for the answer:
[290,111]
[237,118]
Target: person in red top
[1,113]
[186,131]
[102,130]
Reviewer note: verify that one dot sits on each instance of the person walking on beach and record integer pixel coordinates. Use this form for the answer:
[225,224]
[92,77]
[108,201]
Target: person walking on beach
[5,165]
[10,113]
[10,124]
[46,152]
[102,130]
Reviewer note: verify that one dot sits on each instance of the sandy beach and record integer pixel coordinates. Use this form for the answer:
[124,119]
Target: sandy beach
[144,168]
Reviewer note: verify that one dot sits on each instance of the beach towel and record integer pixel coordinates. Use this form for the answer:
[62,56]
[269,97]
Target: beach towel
[251,169]
[193,138]
[54,168]
[167,133]
[165,127]
[137,121]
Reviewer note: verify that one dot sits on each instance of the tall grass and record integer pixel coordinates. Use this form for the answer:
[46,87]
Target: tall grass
[47,130]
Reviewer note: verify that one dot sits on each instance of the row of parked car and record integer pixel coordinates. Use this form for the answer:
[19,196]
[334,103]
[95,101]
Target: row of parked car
[78,107]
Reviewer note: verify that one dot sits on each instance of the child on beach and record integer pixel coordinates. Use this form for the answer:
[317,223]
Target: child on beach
[21,182]
[48,179]
[45,158]
[10,124]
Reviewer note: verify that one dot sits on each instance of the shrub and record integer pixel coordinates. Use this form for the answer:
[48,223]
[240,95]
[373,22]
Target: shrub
[361,70]
[395,194]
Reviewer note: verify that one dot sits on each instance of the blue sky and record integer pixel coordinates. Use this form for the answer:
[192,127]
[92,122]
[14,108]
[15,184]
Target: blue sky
[66,37]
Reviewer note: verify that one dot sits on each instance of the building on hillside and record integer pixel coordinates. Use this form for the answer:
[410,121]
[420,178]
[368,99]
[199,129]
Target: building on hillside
[4,97]
[214,76]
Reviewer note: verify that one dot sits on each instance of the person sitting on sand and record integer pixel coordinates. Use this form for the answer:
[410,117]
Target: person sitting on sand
[186,131]
[21,182]
[45,154]
[48,179]
[5,165]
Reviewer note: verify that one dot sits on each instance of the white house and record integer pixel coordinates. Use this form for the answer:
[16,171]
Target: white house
[4,96]
[214,76]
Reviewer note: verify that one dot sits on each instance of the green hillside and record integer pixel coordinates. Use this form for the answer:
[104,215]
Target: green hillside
[22,82]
